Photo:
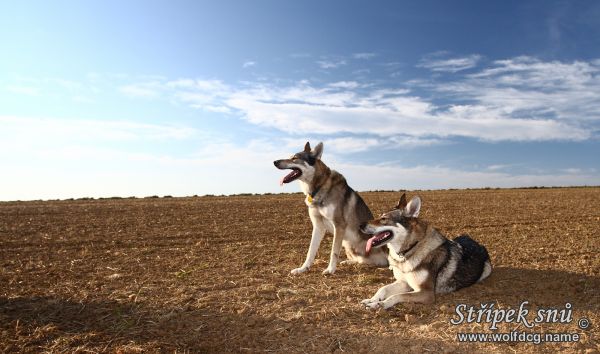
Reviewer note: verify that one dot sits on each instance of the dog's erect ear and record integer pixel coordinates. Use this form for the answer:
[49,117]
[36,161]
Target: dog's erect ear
[318,151]
[307,147]
[413,207]
[402,202]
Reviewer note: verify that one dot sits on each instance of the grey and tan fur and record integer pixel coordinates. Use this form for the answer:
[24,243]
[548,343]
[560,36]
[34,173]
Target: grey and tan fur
[332,206]
[424,262]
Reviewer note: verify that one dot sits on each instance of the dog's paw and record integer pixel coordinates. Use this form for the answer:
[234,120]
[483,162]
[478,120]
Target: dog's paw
[299,270]
[366,301]
[374,305]
[329,271]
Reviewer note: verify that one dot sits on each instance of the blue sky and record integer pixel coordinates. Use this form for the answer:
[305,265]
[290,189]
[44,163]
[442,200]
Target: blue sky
[137,98]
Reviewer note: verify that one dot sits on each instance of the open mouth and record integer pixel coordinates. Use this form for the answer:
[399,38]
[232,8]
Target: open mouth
[379,240]
[291,176]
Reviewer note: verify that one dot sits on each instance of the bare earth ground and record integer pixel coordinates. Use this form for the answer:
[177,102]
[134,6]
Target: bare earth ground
[211,274]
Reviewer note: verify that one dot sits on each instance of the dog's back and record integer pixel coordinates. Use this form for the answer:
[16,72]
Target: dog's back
[467,262]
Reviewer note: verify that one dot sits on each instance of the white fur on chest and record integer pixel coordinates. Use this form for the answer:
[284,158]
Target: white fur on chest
[414,279]
[318,218]
[326,216]
[327,211]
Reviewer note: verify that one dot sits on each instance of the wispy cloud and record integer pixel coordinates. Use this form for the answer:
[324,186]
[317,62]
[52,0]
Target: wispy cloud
[452,65]
[515,99]
[363,55]
[519,99]
[304,109]
[530,88]
[345,84]
[331,64]
[347,145]
[248,64]
[497,167]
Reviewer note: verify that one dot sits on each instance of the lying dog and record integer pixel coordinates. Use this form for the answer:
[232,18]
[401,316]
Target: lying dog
[424,262]
[332,206]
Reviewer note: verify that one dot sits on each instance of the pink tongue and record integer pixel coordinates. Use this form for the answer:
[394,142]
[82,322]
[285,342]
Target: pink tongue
[281,180]
[369,243]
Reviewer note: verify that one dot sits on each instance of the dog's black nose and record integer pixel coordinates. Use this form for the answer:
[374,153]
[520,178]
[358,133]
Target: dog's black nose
[275,163]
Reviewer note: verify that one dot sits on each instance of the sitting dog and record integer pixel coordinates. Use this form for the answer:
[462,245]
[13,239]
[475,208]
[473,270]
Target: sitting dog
[332,206]
[424,262]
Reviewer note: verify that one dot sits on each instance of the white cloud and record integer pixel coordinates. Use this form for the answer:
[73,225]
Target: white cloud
[350,144]
[515,99]
[529,88]
[309,109]
[248,64]
[202,94]
[451,65]
[530,108]
[345,84]
[216,86]
[363,55]
[519,99]
[497,167]
[330,64]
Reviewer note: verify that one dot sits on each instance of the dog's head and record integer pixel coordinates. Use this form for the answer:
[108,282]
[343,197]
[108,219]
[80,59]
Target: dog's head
[396,228]
[302,164]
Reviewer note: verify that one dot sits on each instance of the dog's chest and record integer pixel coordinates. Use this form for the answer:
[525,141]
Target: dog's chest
[327,211]
[397,267]
[417,278]
[325,214]
[414,278]
[400,268]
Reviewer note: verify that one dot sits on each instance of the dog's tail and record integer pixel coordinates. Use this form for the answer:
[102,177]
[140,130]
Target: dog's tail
[487,270]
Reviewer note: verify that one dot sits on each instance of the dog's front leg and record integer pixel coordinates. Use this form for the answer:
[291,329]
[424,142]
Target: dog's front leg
[399,286]
[338,237]
[422,296]
[423,293]
[317,235]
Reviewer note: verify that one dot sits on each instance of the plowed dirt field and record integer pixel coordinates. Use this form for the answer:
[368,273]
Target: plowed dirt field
[211,274]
